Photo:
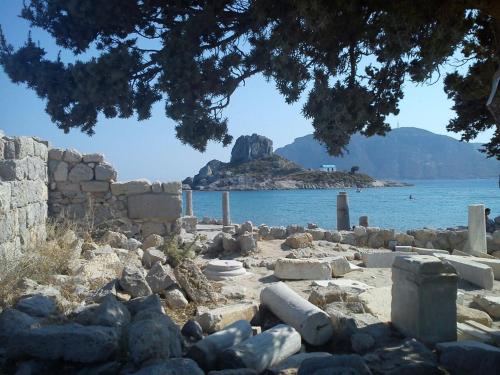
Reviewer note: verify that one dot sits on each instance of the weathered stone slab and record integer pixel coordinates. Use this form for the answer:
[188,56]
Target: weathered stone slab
[420,250]
[465,314]
[174,187]
[299,240]
[344,284]
[472,254]
[37,305]
[302,269]
[469,357]
[216,319]
[24,147]
[424,293]
[154,206]
[493,263]
[130,187]
[61,172]
[475,273]
[467,332]
[340,266]
[56,153]
[377,301]
[95,186]
[69,342]
[80,172]
[93,158]
[493,333]
[5,195]
[12,169]
[105,172]
[72,156]
[490,304]
[380,259]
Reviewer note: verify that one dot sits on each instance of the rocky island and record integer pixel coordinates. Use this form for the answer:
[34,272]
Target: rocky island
[254,166]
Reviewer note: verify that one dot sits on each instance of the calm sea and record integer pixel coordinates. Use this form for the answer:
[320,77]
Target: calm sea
[436,204]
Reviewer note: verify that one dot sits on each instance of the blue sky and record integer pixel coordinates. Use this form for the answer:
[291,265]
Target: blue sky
[149,148]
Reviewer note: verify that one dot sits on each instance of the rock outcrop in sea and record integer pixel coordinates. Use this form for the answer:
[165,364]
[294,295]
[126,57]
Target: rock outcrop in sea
[254,166]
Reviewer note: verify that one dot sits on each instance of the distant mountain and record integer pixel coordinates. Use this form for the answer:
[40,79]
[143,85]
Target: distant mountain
[404,153]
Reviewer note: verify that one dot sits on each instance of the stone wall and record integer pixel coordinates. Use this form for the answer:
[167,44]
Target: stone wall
[84,187]
[23,193]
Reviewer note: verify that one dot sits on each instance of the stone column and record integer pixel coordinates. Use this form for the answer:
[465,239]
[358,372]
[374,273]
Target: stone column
[343,222]
[312,323]
[363,221]
[226,214]
[206,351]
[189,203]
[477,229]
[424,293]
[267,349]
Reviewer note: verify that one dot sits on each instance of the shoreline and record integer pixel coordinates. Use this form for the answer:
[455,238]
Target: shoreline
[375,184]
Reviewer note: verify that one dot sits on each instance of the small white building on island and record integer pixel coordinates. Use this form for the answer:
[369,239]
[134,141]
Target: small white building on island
[328,168]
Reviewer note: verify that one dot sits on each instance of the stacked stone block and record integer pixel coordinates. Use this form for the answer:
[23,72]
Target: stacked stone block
[85,187]
[23,193]
[80,187]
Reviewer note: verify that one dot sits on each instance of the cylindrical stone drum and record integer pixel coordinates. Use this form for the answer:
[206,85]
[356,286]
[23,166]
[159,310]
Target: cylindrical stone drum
[312,323]
[264,350]
[205,351]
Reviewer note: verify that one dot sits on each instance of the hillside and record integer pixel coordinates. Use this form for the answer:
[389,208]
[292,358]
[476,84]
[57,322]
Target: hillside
[405,153]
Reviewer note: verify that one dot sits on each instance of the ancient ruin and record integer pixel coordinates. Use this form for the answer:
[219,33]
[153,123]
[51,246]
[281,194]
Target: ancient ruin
[143,289]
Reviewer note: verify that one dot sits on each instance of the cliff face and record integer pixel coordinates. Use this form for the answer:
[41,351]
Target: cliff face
[251,147]
[405,153]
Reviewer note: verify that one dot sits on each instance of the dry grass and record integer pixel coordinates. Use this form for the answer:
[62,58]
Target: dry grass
[181,316]
[54,256]
[176,253]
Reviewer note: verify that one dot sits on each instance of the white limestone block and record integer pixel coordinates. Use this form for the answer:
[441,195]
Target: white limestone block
[380,259]
[472,271]
[216,319]
[302,269]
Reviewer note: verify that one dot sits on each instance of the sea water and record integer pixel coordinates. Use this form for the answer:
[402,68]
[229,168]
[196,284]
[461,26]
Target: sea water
[435,204]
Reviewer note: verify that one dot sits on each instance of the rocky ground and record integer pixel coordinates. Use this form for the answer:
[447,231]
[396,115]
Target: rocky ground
[162,306]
